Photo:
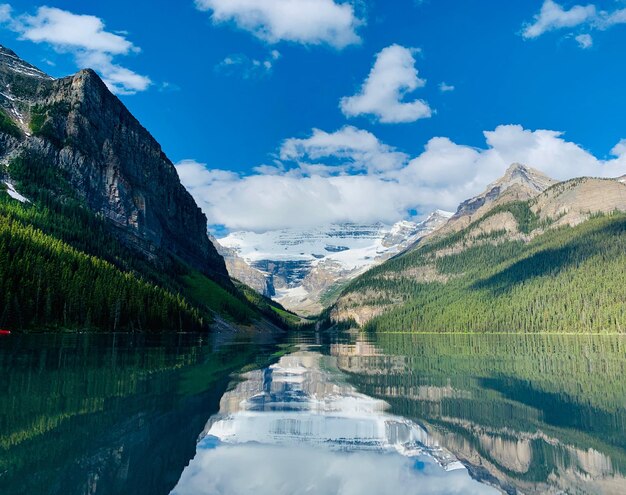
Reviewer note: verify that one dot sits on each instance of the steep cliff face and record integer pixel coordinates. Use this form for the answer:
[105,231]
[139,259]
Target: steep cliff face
[238,269]
[77,127]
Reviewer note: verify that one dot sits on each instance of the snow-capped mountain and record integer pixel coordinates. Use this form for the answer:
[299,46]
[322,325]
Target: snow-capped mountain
[302,265]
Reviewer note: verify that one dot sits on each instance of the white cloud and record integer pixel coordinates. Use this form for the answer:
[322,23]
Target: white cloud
[392,77]
[446,88]
[236,469]
[609,19]
[553,16]
[246,67]
[310,22]
[85,37]
[619,149]
[5,12]
[357,178]
[355,149]
[65,29]
[584,41]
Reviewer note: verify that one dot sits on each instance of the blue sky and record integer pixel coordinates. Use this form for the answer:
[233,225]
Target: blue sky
[539,65]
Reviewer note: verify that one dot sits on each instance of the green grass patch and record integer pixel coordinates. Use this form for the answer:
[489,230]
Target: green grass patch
[8,126]
[213,296]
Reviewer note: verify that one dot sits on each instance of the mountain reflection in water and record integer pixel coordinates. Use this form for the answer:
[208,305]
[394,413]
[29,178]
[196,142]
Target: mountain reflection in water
[299,427]
[531,414]
[323,414]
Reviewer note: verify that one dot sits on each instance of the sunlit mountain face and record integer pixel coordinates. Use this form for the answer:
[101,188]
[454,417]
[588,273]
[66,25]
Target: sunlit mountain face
[299,427]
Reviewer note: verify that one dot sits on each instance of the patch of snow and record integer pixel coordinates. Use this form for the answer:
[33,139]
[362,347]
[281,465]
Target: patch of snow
[362,244]
[294,294]
[443,213]
[14,194]
[454,466]
[16,64]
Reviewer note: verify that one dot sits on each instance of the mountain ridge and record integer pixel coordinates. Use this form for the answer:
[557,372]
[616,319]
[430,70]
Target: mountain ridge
[518,183]
[473,272]
[301,266]
[116,166]
[101,233]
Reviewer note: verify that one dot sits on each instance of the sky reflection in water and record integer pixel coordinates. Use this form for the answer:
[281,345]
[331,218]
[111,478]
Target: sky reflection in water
[299,427]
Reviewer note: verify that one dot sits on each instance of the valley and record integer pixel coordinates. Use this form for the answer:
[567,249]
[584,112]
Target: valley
[301,268]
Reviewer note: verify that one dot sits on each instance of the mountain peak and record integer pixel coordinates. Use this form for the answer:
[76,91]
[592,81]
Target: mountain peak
[518,173]
[520,181]
[110,162]
[516,167]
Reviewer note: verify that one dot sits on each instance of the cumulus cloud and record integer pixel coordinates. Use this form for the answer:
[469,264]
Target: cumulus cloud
[382,95]
[349,175]
[309,22]
[85,37]
[354,149]
[609,19]
[553,16]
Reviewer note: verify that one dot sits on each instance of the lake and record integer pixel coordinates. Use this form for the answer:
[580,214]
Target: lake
[312,413]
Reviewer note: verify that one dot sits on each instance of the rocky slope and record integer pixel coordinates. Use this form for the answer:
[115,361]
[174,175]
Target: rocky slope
[85,136]
[242,271]
[101,234]
[519,183]
[299,267]
[514,226]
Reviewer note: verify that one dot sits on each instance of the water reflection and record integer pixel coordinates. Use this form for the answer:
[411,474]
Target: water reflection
[298,427]
[100,415]
[531,414]
[109,414]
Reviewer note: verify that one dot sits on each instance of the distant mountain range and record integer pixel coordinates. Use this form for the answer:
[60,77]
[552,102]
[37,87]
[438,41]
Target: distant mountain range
[301,268]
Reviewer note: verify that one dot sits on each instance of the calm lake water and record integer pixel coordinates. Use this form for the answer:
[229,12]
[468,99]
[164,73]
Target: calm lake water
[316,414]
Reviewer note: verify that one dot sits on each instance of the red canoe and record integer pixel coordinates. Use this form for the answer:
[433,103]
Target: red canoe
[5,332]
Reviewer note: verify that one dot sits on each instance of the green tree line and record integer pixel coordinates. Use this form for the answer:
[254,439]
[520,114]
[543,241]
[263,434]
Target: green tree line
[570,279]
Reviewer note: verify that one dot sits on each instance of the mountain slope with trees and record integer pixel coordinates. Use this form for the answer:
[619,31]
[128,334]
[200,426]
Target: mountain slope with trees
[553,263]
[96,231]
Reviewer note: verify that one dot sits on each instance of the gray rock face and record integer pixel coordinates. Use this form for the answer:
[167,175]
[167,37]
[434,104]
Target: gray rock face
[110,160]
[240,270]
[527,179]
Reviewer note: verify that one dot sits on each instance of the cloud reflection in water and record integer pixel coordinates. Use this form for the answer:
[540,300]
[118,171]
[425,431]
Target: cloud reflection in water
[298,427]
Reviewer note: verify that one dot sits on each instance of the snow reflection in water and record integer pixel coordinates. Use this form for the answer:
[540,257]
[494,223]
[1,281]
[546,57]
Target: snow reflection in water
[298,427]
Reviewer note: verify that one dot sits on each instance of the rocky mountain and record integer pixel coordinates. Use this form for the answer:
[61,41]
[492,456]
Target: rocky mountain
[519,183]
[301,266]
[96,230]
[242,271]
[526,246]
[84,136]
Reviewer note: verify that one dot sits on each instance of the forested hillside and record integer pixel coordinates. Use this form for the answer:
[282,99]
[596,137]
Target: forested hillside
[96,230]
[539,276]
